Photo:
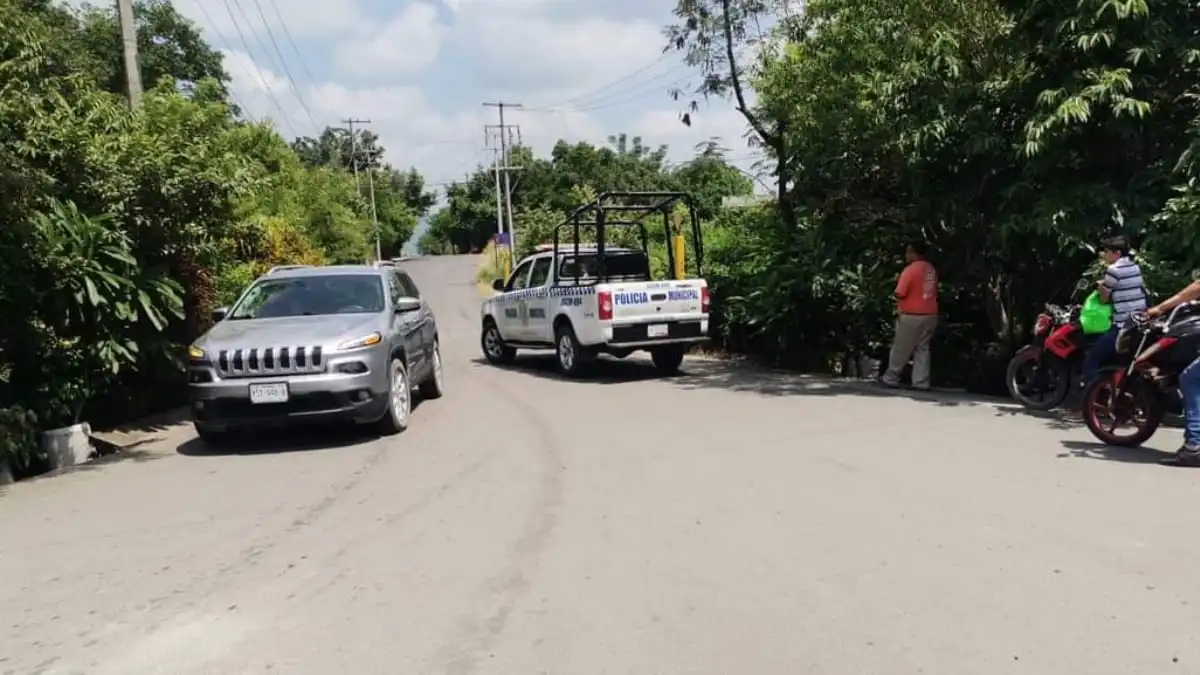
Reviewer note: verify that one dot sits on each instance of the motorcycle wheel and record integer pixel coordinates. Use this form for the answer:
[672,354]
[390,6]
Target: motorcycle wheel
[1106,406]
[1038,383]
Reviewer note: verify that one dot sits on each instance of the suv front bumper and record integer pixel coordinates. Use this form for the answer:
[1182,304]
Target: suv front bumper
[223,405]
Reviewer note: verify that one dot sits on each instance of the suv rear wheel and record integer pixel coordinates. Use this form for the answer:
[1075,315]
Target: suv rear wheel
[433,387]
[399,405]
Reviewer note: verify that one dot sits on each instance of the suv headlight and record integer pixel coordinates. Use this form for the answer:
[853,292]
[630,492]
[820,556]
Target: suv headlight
[196,353]
[358,343]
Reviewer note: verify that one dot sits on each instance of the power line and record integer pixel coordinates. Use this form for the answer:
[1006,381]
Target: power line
[619,80]
[630,95]
[283,66]
[220,36]
[288,34]
[266,86]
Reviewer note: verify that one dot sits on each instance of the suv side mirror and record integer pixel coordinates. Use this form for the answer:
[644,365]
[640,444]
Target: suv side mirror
[497,284]
[405,305]
[219,313]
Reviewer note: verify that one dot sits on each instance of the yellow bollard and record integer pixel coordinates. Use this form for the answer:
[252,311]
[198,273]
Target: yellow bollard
[679,248]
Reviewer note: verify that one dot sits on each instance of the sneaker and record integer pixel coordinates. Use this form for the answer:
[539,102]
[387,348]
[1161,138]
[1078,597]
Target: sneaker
[1186,456]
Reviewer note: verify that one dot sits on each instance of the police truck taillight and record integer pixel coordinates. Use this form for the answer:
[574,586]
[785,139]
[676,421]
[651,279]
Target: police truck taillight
[604,305]
[704,300]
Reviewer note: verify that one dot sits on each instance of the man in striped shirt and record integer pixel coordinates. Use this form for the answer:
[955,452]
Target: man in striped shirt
[1123,288]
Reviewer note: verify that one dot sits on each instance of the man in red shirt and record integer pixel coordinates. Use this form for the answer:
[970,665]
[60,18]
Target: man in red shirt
[916,300]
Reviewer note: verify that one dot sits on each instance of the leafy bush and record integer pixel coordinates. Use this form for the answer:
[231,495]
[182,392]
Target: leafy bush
[18,438]
[123,228]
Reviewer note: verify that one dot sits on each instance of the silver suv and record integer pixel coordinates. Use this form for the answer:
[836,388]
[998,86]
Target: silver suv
[342,343]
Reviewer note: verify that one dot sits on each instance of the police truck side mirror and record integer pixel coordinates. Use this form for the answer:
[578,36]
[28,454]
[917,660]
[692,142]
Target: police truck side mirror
[498,285]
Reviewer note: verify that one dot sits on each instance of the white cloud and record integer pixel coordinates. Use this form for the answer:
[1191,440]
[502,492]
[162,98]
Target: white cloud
[409,43]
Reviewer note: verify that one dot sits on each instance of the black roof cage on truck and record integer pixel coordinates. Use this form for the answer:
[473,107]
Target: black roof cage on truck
[625,209]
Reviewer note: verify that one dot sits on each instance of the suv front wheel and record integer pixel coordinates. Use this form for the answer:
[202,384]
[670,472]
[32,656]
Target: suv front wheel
[399,405]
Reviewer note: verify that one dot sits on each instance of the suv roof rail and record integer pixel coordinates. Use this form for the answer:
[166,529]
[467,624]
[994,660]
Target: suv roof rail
[284,268]
[385,263]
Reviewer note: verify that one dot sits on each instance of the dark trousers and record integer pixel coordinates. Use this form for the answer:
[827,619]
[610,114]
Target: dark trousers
[1104,350]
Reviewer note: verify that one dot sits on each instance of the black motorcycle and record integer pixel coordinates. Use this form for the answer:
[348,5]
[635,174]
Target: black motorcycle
[1138,395]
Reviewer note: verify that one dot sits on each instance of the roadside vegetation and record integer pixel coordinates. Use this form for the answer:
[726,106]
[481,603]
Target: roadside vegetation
[123,229]
[1010,134]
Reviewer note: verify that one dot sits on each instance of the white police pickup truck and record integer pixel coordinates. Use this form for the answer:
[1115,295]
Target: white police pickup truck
[566,305]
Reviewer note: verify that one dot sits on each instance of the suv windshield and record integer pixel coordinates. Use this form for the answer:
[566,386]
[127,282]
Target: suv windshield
[311,296]
[627,265]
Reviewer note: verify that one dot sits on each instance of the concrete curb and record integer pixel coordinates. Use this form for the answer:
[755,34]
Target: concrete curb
[139,432]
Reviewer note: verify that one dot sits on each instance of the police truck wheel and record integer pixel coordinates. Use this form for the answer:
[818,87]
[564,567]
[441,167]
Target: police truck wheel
[494,349]
[667,359]
[568,353]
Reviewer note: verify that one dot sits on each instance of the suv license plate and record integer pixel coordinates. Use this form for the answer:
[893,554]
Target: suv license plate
[657,330]
[269,393]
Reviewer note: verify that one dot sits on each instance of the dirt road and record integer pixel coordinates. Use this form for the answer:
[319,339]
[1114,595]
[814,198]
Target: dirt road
[725,522]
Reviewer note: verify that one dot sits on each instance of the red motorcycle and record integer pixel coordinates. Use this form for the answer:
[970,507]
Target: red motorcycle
[1041,373]
[1138,395]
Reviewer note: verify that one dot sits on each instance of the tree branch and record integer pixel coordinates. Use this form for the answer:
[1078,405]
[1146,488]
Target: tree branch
[735,78]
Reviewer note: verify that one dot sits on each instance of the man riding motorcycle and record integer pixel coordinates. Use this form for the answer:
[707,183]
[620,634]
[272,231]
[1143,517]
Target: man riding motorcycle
[1122,288]
[1189,382]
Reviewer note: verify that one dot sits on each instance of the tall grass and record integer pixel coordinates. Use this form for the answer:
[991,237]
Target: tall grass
[491,264]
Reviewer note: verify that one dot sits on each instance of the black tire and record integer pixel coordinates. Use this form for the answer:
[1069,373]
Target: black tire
[399,404]
[494,349]
[667,359]
[434,387]
[1136,394]
[1055,372]
[216,440]
[569,355]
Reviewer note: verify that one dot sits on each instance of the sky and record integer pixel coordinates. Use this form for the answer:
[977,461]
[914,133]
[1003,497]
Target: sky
[420,70]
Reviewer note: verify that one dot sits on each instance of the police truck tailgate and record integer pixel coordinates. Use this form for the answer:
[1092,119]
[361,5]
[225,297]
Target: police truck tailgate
[659,309]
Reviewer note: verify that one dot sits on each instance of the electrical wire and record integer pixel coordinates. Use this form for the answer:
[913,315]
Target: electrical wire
[225,41]
[283,66]
[266,86]
[619,80]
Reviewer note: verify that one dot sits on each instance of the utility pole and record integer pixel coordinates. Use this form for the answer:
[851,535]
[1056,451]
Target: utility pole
[133,72]
[354,147]
[370,181]
[374,215]
[499,206]
[512,234]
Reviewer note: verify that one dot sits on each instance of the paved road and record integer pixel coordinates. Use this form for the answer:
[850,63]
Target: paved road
[724,522]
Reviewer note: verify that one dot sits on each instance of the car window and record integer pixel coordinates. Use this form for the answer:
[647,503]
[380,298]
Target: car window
[311,296]
[520,278]
[410,287]
[541,271]
[395,287]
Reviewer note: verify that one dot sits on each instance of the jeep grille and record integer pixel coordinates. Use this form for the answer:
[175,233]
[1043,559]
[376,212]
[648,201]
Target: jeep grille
[270,361]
